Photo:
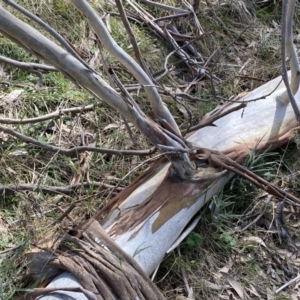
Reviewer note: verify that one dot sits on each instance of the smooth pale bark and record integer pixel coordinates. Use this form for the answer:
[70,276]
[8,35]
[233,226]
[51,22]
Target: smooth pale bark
[159,206]
[290,51]
[159,108]
[261,122]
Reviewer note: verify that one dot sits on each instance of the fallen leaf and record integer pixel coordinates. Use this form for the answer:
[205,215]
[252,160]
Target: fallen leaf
[212,285]
[253,291]
[255,239]
[236,285]
[11,97]
[111,126]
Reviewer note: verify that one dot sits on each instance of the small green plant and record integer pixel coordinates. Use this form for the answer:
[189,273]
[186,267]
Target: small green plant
[228,239]
[221,207]
[194,240]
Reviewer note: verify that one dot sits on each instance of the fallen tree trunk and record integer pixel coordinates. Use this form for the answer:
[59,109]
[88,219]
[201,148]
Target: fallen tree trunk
[148,216]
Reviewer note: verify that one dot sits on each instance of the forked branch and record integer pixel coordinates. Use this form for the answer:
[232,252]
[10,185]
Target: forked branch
[111,46]
[41,46]
[289,51]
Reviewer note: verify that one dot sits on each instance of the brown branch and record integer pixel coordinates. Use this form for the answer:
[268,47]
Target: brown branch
[65,214]
[171,17]
[251,77]
[75,150]
[166,7]
[47,189]
[211,119]
[132,39]
[53,115]
[220,160]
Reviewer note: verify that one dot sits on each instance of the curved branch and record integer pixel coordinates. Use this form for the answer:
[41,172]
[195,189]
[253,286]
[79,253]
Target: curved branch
[53,115]
[133,42]
[111,46]
[289,45]
[62,60]
[26,65]
[72,151]
[55,34]
[289,50]
[48,189]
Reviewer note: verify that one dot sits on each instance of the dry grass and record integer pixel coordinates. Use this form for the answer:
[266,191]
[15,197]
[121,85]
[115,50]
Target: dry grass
[249,257]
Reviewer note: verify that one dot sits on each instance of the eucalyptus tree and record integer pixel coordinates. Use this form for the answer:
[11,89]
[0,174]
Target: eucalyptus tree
[126,240]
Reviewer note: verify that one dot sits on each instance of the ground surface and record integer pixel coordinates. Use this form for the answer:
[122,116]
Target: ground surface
[220,259]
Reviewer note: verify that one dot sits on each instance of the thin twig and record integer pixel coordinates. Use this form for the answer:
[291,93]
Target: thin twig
[283,55]
[254,99]
[75,150]
[132,39]
[61,217]
[189,290]
[210,120]
[53,115]
[28,66]
[11,249]
[287,284]
[260,215]
[171,17]
[166,7]
[165,65]
[230,44]
[192,63]
[196,19]
[47,189]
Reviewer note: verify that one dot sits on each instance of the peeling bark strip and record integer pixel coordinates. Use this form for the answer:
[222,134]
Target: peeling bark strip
[170,196]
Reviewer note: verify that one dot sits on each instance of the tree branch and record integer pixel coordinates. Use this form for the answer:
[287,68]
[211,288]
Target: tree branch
[26,65]
[62,60]
[133,42]
[111,46]
[288,46]
[53,115]
[166,7]
[78,73]
[50,30]
[48,189]
[75,150]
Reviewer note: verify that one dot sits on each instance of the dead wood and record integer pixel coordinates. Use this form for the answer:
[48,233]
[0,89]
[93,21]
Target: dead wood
[101,266]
